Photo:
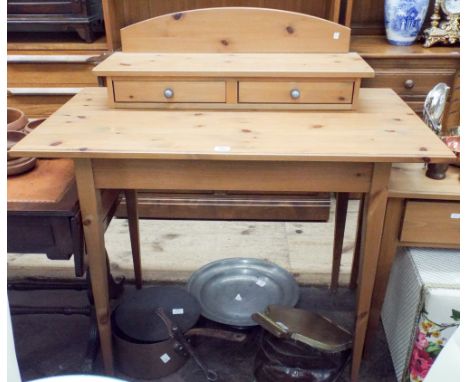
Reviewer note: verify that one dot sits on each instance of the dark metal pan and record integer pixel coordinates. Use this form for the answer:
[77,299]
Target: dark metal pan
[150,329]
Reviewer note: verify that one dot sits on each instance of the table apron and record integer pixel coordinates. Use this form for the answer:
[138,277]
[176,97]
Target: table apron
[222,175]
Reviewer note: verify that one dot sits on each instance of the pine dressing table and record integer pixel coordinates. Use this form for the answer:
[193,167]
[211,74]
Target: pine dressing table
[234,150]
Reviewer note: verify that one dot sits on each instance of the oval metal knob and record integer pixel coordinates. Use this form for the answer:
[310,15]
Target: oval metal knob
[295,93]
[409,84]
[168,93]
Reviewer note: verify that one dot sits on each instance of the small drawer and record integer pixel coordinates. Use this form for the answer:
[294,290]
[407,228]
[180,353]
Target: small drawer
[169,91]
[318,92]
[409,83]
[431,223]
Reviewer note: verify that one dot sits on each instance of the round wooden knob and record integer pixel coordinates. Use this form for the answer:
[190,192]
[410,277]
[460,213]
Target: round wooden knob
[409,84]
[168,93]
[295,93]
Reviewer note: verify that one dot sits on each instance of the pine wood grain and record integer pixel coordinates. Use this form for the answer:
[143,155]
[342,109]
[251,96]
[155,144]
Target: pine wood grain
[235,29]
[373,220]
[410,181]
[91,211]
[309,65]
[310,91]
[431,222]
[382,129]
[184,91]
[231,175]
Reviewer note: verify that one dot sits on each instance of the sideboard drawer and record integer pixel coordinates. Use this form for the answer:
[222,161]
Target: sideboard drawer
[307,92]
[169,91]
[409,82]
[431,223]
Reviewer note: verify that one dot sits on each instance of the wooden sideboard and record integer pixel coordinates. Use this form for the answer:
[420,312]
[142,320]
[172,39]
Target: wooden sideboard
[412,71]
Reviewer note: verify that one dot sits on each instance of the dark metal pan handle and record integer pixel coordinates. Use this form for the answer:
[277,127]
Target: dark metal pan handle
[176,334]
[217,333]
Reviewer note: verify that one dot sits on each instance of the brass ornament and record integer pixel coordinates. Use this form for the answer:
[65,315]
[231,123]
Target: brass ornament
[446,31]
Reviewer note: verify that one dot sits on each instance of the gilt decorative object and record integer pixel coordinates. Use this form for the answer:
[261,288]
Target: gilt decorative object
[444,30]
[404,20]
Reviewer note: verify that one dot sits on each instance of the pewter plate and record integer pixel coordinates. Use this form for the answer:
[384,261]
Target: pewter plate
[231,290]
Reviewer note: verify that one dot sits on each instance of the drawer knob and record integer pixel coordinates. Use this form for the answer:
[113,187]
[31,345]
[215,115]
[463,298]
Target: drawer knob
[409,84]
[168,93]
[295,93]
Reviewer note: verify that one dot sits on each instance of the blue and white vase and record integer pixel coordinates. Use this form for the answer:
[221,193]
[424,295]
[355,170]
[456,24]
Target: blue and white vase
[404,19]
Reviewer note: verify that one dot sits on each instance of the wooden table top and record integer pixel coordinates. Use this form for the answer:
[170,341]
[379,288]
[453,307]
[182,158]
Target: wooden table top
[409,180]
[382,129]
[323,65]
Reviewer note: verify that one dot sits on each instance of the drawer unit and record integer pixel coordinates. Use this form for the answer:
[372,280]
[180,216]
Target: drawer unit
[287,81]
[302,92]
[431,222]
[148,90]
[409,83]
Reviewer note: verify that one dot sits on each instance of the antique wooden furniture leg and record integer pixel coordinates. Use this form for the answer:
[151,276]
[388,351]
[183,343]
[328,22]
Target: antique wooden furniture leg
[90,203]
[373,219]
[387,253]
[341,211]
[132,214]
[357,247]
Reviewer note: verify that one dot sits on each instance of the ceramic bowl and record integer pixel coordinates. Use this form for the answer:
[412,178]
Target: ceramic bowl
[32,125]
[18,166]
[16,119]
[13,137]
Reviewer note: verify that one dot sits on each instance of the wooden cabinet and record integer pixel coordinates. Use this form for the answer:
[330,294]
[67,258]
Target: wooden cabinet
[82,16]
[412,71]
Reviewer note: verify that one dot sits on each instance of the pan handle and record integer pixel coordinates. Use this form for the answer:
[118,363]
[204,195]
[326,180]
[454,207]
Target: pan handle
[177,335]
[171,328]
[217,333]
[275,328]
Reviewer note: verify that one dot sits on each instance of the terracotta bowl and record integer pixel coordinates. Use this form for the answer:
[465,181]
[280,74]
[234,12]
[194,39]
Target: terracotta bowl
[16,119]
[20,165]
[32,125]
[13,137]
